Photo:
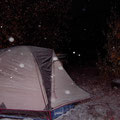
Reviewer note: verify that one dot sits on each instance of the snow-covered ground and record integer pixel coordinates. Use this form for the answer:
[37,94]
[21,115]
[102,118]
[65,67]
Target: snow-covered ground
[104,103]
[107,107]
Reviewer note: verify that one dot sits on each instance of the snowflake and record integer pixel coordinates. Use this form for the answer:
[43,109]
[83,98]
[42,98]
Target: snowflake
[45,38]
[55,58]
[11,39]
[39,25]
[52,76]
[9,50]
[113,47]
[11,77]
[67,92]
[73,52]
[60,68]
[21,65]
[72,83]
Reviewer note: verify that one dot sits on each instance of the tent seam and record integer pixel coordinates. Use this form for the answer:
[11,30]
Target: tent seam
[39,79]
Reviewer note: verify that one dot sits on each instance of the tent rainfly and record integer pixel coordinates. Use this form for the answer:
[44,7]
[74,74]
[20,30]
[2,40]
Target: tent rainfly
[33,82]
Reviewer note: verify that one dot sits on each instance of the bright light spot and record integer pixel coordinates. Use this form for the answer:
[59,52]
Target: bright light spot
[113,47]
[67,92]
[39,25]
[45,38]
[11,77]
[72,83]
[60,68]
[9,50]
[79,55]
[55,58]
[53,100]
[84,29]
[21,65]
[1,26]
[73,52]
[52,76]
[11,39]
[21,53]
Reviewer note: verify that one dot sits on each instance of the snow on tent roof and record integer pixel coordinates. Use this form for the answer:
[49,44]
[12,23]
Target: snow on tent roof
[26,82]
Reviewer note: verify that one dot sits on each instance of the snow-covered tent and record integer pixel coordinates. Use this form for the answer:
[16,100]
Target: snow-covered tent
[32,79]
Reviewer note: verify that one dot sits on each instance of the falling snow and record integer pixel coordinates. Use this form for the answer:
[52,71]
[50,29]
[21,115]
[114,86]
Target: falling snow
[9,50]
[36,32]
[11,77]
[73,52]
[51,76]
[55,58]
[72,83]
[21,65]
[11,39]
[60,68]
[67,92]
[45,38]
[39,25]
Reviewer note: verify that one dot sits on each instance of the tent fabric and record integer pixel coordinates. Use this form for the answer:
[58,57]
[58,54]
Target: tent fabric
[43,59]
[19,83]
[33,78]
[64,90]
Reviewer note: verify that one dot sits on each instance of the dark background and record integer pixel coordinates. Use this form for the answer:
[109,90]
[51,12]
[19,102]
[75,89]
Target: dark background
[89,23]
[62,25]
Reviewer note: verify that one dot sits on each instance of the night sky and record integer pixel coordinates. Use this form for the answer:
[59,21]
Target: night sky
[73,27]
[90,20]
[44,23]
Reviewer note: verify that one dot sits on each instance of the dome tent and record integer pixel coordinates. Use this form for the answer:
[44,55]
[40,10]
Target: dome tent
[33,80]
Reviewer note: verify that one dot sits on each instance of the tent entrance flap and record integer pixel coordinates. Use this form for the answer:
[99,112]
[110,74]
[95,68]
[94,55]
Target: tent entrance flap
[64,90]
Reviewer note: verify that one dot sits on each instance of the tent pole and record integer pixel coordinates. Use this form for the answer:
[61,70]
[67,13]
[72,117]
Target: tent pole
[50,116]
